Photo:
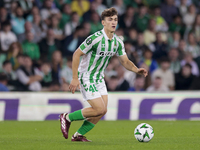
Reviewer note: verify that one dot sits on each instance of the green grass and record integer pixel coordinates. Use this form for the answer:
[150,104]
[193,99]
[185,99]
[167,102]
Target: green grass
[107,135]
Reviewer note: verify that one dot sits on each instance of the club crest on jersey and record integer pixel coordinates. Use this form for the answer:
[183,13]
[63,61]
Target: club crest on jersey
[88,41]
[106,53]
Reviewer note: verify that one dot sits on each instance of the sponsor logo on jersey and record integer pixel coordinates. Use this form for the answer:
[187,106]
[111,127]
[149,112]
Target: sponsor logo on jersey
[106,53]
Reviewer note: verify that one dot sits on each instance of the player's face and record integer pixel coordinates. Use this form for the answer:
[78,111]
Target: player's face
[110,23]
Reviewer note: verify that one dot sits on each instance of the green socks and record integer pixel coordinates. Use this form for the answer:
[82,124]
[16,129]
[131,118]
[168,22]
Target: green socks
[86,127]
[76,115]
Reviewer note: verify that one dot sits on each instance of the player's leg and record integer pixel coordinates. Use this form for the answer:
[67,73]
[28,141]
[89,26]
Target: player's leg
[100,107]
[97,109]
[89,123]
[94,120]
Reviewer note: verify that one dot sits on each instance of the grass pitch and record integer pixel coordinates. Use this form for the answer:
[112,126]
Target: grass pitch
[107,135]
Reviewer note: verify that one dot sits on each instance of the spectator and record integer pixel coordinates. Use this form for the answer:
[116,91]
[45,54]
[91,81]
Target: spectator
[95,23]
[157,85]
[109,71]
[177,25]
[34,11]
[174,40]
[71,25]
[18,22]
[66,72]
[119,6]
[13,8]
[161,24]
[87,29]
[196,28]
[112,83]
[165,73]
[120,32]
[20,59]
[54,87]
[26,5]
[93,8]
[127,20]
[48,10]
[56,66]
[138,84]
[195,85]
[183,7]
[140,46]
[149,61]
[65,87]
[159,47]
[148,78]
[192,46]
[28,28]
[189,59]
[39,28]
[14,50]
[184,79]
[132,35]
[47,75]
[7,36]
[80,6]
[48,45]
[182,47]
[3,83]
[122,85]
[189,17]
[60,3]
[4,15]
[142,19]
[133,3]
[11,75]
[29,48]
[175,65]
[54,24]
[100,7]
[29,76]
[150,33]
[168,10]
[72,42]
[66,15]
[132,55]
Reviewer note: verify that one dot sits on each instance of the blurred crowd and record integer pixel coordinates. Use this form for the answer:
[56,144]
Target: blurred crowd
[38,38]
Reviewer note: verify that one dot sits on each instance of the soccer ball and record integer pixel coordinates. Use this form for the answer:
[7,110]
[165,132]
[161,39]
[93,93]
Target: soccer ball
[144,132]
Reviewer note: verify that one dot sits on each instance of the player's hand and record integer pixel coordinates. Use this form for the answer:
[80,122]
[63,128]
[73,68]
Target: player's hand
[142,71]
[73,85]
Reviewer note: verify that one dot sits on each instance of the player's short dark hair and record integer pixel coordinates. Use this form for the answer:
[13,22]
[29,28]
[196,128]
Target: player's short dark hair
[108,13]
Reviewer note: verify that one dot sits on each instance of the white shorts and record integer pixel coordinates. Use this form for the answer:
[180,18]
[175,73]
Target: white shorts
[92,90]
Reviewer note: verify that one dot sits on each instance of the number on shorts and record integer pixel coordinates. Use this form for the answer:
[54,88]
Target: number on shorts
[93,88]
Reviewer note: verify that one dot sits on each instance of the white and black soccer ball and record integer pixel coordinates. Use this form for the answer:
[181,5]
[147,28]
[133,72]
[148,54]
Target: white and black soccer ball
[144,132]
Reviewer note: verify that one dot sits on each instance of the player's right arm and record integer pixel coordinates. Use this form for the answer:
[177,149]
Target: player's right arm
[84,48]
[75,63]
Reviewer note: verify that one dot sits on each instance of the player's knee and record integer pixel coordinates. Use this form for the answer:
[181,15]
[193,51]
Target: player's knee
[100,112]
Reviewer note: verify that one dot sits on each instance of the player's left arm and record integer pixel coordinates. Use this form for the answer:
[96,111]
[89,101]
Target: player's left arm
[131,66]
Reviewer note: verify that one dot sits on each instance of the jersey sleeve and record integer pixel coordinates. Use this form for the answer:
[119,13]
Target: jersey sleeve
[120,49]
[86,46]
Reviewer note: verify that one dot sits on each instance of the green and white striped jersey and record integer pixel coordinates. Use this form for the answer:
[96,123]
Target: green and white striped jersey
[98,49]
